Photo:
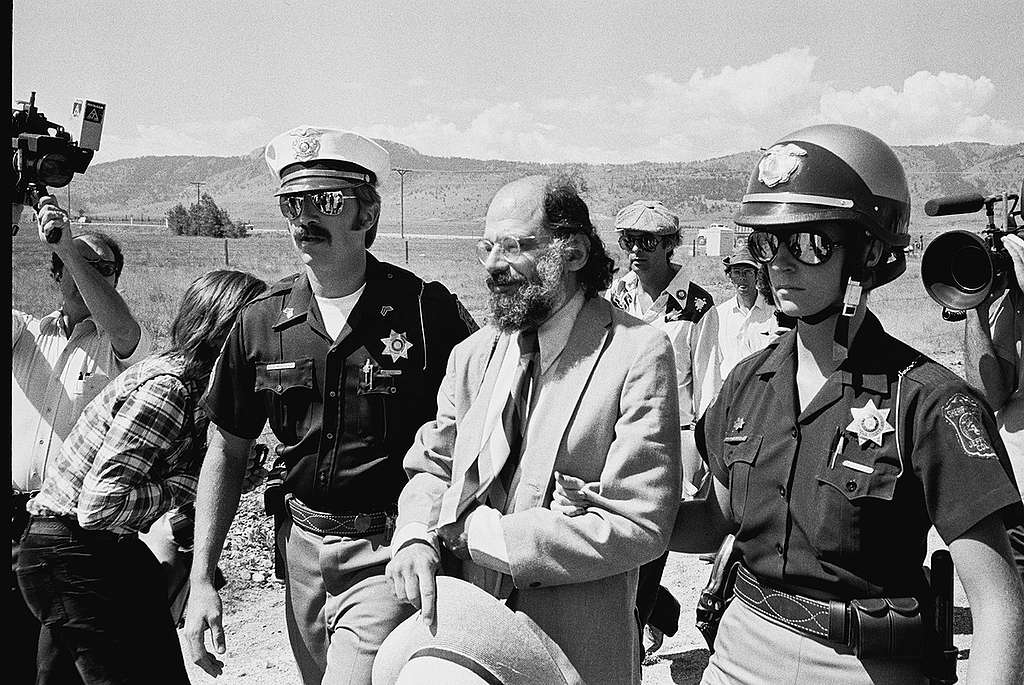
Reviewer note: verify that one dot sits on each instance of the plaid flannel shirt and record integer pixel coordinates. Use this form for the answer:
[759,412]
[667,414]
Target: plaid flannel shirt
[133,454]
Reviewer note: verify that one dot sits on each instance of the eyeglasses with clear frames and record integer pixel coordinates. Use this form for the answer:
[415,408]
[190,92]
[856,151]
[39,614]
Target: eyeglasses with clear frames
[509,247]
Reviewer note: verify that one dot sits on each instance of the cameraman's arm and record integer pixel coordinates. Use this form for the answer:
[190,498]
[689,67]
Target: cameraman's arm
[990,358]
[106,306]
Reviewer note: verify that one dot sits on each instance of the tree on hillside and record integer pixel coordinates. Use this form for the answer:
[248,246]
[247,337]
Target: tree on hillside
[177,220]
[205,219]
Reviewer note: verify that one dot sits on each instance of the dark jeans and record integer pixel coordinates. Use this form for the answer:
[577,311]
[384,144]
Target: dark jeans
[655,605]
[102,603]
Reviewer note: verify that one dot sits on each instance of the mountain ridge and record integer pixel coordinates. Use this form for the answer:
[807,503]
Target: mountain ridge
[458,188]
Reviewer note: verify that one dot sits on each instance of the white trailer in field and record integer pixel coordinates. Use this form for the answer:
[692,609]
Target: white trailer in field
[717,240]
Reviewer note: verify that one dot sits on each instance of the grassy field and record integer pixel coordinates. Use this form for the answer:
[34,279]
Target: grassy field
[159,268]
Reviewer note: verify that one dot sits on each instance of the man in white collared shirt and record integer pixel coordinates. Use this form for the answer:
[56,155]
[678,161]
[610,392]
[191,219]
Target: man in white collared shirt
[746,321]
[602,402]
[59,363]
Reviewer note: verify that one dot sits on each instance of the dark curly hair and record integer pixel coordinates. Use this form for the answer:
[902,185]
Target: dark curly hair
[565,214]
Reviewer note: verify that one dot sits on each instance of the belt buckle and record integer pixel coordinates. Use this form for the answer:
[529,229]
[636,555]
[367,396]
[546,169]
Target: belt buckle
[362,522]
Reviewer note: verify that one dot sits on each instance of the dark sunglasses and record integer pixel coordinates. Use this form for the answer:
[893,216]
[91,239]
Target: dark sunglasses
[646,243]
[327,202]
[807,247]
[105,267]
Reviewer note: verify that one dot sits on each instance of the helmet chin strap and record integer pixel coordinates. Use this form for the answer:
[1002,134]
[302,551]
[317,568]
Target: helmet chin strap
[847,309]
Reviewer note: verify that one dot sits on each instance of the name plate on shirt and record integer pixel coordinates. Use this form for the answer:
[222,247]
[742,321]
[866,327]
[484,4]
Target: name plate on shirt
[863,468]
[280,366]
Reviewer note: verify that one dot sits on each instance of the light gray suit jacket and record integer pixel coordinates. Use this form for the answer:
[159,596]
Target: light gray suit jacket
[615,422]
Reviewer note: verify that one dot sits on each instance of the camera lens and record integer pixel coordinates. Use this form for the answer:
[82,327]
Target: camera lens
[971,269]
[54,170]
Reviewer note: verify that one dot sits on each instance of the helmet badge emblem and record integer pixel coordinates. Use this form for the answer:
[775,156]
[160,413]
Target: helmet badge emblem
[306,143]
[779,163]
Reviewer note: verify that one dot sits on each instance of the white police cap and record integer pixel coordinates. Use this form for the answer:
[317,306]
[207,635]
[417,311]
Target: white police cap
[647,216]
[316,158]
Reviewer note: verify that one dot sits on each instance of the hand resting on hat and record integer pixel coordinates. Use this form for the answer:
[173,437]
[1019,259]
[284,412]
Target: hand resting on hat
[412,572]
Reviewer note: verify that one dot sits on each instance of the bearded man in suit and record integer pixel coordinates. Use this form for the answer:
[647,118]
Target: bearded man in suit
[560,381]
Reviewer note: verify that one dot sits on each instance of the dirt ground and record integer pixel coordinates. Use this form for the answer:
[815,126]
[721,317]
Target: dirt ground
[258,652]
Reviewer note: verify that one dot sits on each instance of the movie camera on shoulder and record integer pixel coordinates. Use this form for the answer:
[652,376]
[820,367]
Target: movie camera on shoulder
[960,268]
[44,154]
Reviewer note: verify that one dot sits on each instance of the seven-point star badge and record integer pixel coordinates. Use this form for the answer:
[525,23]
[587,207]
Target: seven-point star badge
[870,424]
[396,346]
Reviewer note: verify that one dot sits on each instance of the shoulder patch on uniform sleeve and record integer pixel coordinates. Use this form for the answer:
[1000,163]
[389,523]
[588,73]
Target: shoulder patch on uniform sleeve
[964,414]
[698,302]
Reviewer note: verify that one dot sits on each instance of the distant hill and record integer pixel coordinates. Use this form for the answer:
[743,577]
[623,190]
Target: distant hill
[457,189]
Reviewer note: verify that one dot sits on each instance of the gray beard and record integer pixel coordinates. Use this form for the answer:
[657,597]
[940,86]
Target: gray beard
[532,303]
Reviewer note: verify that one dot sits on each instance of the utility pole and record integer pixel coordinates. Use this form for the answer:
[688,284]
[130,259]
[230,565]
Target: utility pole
[401,174]
[197,184]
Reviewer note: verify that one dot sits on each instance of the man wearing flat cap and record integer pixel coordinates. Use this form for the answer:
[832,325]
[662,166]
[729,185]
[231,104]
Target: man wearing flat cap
[344,360]
[658,291]
[746,321]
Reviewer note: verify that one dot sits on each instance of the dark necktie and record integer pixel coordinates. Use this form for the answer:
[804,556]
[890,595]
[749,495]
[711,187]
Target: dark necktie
[516,413]
[490,474]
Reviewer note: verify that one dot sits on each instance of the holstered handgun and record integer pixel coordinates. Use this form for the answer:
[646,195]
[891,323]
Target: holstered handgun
[274,505]
[717,594]
[940,653]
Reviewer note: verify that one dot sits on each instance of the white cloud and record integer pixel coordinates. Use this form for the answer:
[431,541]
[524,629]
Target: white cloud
[929,109]
[662,117]
[507,130]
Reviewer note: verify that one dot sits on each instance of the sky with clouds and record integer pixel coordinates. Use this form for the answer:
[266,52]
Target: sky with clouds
[540,81]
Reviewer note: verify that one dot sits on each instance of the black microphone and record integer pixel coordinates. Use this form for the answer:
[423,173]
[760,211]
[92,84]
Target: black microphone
[954,204]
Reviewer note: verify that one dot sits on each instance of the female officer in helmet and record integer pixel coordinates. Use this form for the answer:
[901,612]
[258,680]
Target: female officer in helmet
[835,449]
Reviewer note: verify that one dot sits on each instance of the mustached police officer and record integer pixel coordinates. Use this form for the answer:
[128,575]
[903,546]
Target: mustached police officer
[837,447]
[344,360]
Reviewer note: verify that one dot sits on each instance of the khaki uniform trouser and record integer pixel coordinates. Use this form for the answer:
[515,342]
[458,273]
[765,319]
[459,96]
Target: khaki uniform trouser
[338,605]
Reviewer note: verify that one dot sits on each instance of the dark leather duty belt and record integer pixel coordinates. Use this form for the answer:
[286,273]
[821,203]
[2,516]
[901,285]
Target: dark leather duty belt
[811,617]
[351,525]
[49,523]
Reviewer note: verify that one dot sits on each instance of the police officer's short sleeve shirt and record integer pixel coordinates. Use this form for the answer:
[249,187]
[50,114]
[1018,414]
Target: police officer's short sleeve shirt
[836,501]
[345,410]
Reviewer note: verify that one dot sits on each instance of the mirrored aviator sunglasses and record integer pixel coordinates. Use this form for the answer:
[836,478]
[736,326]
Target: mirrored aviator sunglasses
[327,202]
[807,247]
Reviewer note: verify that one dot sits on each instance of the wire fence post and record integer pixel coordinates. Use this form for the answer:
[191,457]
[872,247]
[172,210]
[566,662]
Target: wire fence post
[225,252]
[406,250]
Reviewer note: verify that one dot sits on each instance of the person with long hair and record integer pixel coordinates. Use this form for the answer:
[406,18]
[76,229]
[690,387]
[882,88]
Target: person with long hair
[133,454]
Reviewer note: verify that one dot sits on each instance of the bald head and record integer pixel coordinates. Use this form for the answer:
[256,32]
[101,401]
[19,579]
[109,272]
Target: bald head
[540,210]
[518,204]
